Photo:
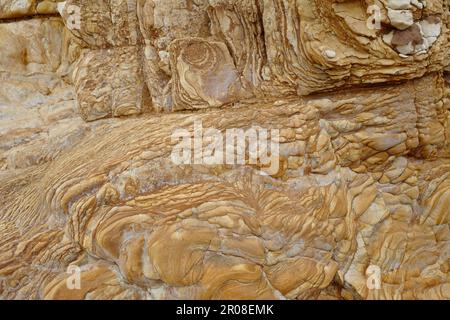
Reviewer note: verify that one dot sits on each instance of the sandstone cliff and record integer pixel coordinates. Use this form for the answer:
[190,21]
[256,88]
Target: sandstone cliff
[354,95]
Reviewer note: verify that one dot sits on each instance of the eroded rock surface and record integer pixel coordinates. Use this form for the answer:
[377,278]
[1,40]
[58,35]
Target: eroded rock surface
[356,92]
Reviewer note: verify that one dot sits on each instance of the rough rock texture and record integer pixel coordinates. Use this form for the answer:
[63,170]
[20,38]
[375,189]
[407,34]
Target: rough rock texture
[24,8]
[87,176]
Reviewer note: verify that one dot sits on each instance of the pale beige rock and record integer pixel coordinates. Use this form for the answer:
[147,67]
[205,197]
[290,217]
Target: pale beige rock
[22,8]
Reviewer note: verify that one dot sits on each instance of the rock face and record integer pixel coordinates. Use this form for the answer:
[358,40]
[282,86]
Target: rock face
[117,118]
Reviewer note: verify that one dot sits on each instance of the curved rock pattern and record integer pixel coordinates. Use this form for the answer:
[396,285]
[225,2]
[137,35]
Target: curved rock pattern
[89,183]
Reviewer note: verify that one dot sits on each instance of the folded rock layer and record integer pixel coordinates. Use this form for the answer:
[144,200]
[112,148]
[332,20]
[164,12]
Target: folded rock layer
[117,118]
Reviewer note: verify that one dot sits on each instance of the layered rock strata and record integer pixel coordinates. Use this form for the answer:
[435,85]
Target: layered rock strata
[357,94]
